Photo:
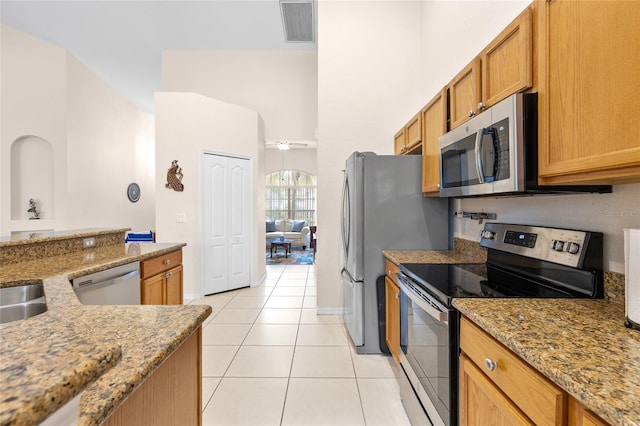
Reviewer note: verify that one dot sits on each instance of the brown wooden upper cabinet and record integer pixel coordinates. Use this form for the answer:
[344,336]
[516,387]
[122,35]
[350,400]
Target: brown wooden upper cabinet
[409,139]
[398,142]
[465,93]
[434,125]
[589,95]
[503,68]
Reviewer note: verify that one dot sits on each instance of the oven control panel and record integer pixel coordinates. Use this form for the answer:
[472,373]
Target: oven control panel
[563,246]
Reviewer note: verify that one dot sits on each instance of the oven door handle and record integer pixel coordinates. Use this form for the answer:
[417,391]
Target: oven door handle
[431,306]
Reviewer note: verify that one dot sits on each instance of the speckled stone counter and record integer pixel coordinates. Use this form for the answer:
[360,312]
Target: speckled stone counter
[105,352]
[464,251]
[581,345]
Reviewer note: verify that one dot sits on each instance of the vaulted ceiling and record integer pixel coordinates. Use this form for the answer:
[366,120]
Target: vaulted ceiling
[122,41]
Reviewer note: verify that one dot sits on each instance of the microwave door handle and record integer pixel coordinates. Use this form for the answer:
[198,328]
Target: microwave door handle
[478,149]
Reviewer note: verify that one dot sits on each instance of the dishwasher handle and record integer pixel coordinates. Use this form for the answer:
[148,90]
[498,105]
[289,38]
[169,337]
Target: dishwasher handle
[114,280]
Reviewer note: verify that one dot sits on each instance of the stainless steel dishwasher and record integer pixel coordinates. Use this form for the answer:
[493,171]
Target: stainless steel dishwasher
[113,286]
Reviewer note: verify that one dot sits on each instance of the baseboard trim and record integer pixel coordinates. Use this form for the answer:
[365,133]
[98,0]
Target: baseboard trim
[190,297]
[260,280]
[330,311]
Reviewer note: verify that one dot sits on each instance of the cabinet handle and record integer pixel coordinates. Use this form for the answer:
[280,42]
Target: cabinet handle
[167,261]
[168,275]
[490,364]
[471,113]
[481,106]
[438,186]
[397,295]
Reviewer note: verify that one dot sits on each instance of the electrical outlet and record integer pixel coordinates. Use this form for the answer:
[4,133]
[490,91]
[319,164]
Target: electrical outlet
[89,242]
[181,218]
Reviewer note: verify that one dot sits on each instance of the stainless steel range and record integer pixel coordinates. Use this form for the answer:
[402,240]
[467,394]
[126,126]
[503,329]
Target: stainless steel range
[523,262]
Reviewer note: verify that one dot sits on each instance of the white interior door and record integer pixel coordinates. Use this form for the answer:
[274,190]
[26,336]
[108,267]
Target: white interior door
[227,223]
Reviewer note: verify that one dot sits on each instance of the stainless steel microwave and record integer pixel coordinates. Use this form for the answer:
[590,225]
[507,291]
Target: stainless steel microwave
[496,153]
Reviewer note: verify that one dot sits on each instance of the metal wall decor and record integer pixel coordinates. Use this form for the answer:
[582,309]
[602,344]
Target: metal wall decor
[174,177]
[133,192]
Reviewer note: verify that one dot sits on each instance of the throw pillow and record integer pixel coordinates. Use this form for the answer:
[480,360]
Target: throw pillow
[271,226]
[298,225]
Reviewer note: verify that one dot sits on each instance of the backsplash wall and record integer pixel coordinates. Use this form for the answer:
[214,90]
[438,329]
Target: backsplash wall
[606,213]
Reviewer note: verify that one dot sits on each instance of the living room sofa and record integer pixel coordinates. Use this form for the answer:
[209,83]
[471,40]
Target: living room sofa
[276,228]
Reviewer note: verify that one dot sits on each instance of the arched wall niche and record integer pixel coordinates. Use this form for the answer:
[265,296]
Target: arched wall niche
[32,177]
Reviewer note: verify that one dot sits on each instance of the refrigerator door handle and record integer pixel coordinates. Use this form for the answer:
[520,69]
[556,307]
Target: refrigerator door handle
[346,216]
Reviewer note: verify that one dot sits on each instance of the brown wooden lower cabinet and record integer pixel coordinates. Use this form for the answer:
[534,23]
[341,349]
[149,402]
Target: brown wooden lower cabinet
[171,395]
[499,388]
[482,402]
[392,320]
[579,415]
[161,279]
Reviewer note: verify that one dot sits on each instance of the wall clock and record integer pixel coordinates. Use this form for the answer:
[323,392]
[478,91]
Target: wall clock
[133,192]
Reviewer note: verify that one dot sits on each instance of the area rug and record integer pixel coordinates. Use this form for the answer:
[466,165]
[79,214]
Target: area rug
[297,256]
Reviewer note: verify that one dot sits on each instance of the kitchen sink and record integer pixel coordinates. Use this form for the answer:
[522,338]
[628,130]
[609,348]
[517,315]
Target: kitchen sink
[22,302]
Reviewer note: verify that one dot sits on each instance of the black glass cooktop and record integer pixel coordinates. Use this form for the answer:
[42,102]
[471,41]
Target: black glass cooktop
[446,281]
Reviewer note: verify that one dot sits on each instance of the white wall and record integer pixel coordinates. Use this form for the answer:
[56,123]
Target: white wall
[186,125]
[280,85]
[110,144]
[295,159]
[101,143]
[368,72]
[34,93]
[606,213]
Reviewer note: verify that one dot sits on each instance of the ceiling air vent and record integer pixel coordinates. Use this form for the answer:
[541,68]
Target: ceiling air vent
[297,19]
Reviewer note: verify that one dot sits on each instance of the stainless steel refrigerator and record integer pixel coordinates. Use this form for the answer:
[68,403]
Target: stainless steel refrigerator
[382,209]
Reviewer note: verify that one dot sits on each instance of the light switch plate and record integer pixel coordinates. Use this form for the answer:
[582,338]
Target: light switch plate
[181,218]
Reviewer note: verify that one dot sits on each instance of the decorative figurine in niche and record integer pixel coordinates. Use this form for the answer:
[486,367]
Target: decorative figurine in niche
[174,177]
[33,209]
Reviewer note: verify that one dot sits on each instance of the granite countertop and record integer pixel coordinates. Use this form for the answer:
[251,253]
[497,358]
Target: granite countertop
[581,345]
[433,256]
[105,352]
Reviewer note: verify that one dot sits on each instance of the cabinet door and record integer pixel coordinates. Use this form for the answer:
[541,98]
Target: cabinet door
[392,318]
[398,142]
[464,94]
[482,403]
[153,290]
[507,61]
[413,132]
[579,415]
[173,285]
[589,96]
[434,125]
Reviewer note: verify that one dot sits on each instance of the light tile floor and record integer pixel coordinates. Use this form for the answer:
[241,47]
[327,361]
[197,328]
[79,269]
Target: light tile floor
[268,359]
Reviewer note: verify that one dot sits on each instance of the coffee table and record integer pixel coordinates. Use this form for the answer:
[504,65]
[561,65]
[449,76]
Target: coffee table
[286,244]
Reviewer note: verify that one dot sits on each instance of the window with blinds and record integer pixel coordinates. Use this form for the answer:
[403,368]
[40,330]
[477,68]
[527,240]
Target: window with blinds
[291,194]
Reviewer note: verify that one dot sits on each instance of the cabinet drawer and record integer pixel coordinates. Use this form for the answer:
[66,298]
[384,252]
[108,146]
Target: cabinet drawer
[391,269]
[161,263]
[541,400]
